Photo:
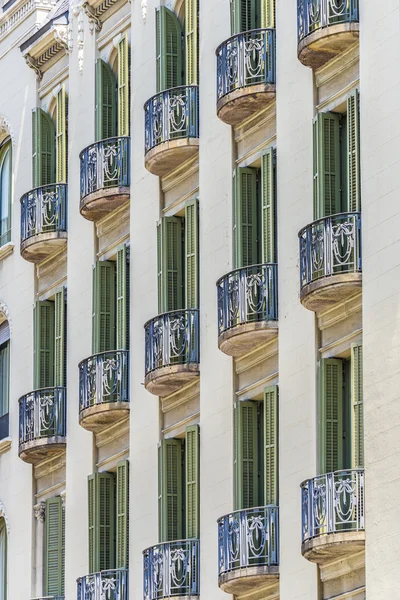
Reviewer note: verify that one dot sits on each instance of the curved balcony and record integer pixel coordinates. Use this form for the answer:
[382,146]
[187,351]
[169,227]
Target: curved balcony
[325,29]
[103,389]
[43,221]
[49,598]
[105,177]
[171,569]
[245,75]
[42,424]
[171,129]
[248,550]
[330,261]
[247,308]
[172,351]
[333,515]
[104,585]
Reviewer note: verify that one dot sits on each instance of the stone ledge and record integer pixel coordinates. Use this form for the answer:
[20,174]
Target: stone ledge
[6,250]
[5,445]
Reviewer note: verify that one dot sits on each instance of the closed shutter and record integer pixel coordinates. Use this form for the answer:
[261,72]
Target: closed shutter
[170,490]
[353,152]
[43,148]
[326,161]
[54,547]
[122,299]
[61,136]
[105,101]
[60,330]
[4,378]
[191,42]
[192,254]
[268,209]
[271,453]
[246,455]
[244,217]
[123,86]
[122,533]
[330,415]
[168,49]
[243,15]
[169,264]
[267,13]
[43,344]
[357,406]
[103,320]
[192,466]
[101,521]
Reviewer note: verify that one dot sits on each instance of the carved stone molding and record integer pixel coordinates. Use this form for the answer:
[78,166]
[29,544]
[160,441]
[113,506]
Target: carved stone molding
[39,511]
[63,496]
[4,515]
[61,35]
[32,64]
[143,6]
[94,21]
[5,315]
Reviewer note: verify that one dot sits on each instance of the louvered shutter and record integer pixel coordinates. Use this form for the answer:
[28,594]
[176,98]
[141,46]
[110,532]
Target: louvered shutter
[246,455]
[60,330]
[168,49]
[192,254]
[43,148]
[122,278]
[353,152]
[101,521]
[330,415]
[43,344]
[54,547]
[243,15]
[169,264]
[268,209]
[61,136]
[105,101]
[244,217]
[357,406]
[122,533]
[192,466]
[326,152]
[4,378]
[267,13]
[271,454]
[170,490]
[123,86]
[191,42]
[103,320]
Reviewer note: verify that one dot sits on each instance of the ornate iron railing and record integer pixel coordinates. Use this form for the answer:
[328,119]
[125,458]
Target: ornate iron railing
[105,164]
[333,503]
[171,115]
[171,569]
[248,538]
[247,295]
[105,585]
[245,59]
[104,378]
[44,210]
[172,339]
[330,246]
[42,414]
[316,14]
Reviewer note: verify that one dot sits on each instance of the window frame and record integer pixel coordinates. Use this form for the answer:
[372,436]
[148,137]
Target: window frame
[6,146]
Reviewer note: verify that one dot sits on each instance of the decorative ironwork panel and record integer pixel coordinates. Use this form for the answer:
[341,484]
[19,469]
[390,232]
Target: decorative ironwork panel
[248,538]
[44,210]
[171,115]
[105,164]
[333,503]
[172,339]
[104,378]
[316,14]
[42,414]
[244,60]
[105,585]
[171,569]
[330,246]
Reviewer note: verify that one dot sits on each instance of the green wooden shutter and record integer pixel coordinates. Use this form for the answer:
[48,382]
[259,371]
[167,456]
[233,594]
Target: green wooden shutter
[4,378]
[43,148]
[192,254]
[243,15]
[169,264]
[101,521]
[61,136]
[271,454]
[60,337]
[326,150]
[353,152]
[268,245]
[123,86]
[122,278]
[103,320]
[244,217]
[192,466]
[191,42]
[267,13]
[43,344]
[105,101]
[330,415]
[54,548]
[122,534]
[246,455]
[357,406]
[168,49]
[170,490]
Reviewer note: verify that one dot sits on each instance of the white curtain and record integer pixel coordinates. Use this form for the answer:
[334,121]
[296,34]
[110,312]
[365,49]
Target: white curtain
[3,560]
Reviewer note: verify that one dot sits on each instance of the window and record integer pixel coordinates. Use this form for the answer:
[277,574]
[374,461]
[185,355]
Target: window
[54,547]
[4,378]
[251,14]
[5,192]
[3,559]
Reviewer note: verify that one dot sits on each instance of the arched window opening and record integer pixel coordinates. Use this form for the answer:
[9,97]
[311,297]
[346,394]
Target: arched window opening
[5,192]
[3,559]
[4,379]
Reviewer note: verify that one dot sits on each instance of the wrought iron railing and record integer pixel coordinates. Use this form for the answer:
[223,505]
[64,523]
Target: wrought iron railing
[171,115]
[105,585]
[172,339]
[44,210]
[248,538]
[171,569]
[247,295]
[42,414]
[49,598]
[333,503]
[104,378]
[330,246]
[244,60]
[316,14]
[105,164]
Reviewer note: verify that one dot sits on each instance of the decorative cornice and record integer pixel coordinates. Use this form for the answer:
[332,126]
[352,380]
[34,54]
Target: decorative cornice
[33,64]
[21,11]
[39,510]
[61,35]
[94,21]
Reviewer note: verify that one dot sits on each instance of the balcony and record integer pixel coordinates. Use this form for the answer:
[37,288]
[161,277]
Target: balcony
[105,585]
[49,598]
[43,221]
[42,424]
[245,75]
[248,550]
[105,177]
[333,516]
[330,261]
[103,389]
[247,308]
[325,29]
[171,126]
[172,353]
[172,569]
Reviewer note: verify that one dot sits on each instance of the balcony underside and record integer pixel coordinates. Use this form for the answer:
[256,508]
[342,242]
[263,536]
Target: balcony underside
[241,104]
[166,157]
[36,451]
[98,204]
[333,546]
[98,417]
[39,247]
[238,341]
[251,579]
[328,292]
[322,45]
[166,380]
